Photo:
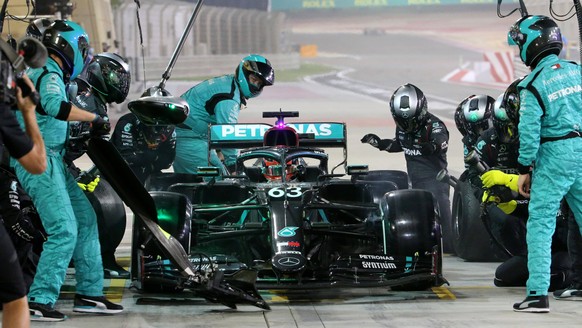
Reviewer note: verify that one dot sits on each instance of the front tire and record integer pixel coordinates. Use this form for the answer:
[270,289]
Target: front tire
[414,231]
[413,222]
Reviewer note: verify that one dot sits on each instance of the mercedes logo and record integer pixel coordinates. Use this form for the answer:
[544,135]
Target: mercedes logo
[288,261]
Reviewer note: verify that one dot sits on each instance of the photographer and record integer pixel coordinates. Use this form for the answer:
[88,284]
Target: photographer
[28,149]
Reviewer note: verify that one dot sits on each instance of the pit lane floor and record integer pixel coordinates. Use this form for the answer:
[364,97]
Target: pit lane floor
[471,299]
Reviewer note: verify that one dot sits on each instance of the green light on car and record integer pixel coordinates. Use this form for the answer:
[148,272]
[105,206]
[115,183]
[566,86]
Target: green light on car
[166,221]
[165,215]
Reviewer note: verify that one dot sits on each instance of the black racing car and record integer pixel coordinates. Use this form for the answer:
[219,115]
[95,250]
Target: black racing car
[284,217]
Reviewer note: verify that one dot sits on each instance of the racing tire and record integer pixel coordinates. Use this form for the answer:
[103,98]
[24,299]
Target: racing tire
[471,239]
[111,216]
[413,222]
[413,229]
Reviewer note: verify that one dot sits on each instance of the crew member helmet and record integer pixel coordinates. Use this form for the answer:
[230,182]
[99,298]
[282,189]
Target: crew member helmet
[476,114]
[155,134]
[37,27]
[409,108]
[459,119]
[109,75]
[506,114]
[69,41]
[252,74]
[536,36]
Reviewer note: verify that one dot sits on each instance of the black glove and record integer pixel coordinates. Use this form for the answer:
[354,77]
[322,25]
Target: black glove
[25,229]
[100,126]
[385,144]
[376,142]
[371,139]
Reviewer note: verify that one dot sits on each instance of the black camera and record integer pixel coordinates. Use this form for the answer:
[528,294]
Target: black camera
[31,53]
[7,80]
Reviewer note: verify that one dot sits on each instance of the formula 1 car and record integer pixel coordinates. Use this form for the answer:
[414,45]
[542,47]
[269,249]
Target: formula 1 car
[284,217]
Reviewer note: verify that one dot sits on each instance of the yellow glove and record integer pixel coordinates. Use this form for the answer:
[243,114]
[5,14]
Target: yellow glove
[496,177]
[487,198]
[86,184]
[507,207]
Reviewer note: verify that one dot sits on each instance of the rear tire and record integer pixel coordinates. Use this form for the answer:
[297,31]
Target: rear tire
[470,237]
[111,216]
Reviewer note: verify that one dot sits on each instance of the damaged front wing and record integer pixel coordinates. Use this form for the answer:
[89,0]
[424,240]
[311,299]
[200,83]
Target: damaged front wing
[215,286]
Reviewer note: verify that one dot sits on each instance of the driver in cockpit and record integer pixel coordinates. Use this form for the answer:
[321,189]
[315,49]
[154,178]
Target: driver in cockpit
[273,171]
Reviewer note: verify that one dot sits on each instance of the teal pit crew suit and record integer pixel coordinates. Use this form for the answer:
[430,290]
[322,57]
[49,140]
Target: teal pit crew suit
[214,101]
[218,101]
[549,136]
[65,211]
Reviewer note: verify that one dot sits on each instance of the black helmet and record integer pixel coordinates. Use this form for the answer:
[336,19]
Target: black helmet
[476,113]
[37,27]
[69,41]
[459,120]
[155,134]
[109,74]
[536,36]
[409,108]
[258,66]
[506,114]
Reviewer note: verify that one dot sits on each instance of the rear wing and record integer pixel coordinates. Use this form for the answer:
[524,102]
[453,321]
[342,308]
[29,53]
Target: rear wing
[316,135]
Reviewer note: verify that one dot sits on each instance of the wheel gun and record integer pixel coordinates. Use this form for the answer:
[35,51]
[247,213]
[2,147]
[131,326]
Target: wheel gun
[502,192]
[473,159]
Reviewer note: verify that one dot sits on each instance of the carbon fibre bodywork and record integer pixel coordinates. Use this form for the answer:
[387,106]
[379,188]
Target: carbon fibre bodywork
[315,229]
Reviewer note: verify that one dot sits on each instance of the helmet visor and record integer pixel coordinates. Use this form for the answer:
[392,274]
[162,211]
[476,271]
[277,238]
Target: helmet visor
[258,75]
[274,171]
[408,125]
[504,127]
[263,70]
[154,135]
